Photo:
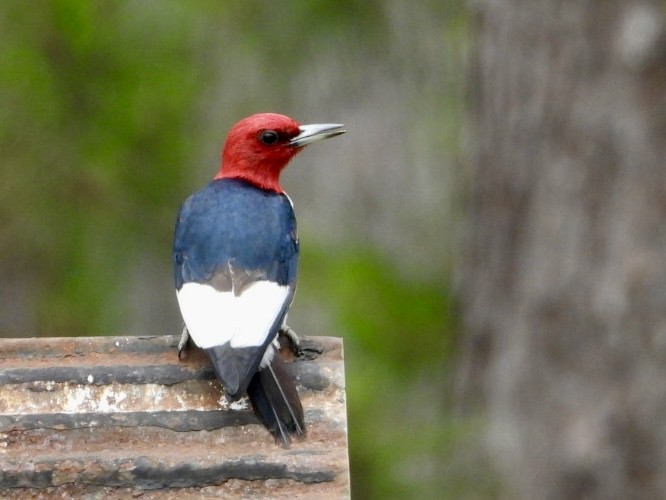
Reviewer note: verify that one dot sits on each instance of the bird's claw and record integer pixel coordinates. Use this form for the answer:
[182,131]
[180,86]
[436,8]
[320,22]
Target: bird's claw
[292,337]
[302,348]
[183,342]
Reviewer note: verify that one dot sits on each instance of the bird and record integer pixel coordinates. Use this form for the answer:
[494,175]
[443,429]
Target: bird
[235,260]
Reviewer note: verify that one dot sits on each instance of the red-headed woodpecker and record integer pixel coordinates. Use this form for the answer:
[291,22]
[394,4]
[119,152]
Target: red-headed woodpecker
[235,257]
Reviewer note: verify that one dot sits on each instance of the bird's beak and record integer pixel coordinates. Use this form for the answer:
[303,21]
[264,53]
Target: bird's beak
[315,132]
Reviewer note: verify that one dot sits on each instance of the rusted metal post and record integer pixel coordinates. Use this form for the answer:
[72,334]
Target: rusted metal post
[122,416]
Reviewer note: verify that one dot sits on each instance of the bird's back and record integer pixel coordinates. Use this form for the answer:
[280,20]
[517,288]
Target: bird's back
[235,265]
[230,221]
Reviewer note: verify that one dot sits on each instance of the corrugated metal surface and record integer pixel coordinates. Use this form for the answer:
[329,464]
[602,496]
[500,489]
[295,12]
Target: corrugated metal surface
[121,416]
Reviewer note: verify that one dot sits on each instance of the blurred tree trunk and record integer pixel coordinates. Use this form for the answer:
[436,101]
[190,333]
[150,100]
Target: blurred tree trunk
[564,274]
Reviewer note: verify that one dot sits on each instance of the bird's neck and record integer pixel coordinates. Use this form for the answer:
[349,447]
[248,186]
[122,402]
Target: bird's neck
[262,174]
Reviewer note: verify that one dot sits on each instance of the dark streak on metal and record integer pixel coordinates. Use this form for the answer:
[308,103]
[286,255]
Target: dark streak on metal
[182,421]
[144,473]
[102,375]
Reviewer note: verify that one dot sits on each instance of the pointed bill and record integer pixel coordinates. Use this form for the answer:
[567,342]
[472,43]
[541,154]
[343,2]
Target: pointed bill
[315,132]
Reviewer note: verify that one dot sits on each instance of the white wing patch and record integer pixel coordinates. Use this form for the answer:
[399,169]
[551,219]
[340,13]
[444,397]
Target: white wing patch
[214,318]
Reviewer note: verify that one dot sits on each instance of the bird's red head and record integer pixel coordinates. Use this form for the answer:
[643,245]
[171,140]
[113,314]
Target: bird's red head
[260,146]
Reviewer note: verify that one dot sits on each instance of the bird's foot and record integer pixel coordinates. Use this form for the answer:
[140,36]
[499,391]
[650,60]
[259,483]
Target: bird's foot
[183,343]
[302,348]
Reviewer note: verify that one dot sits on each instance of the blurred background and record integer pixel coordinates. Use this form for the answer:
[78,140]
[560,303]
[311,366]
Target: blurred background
[111,113]
[487,237]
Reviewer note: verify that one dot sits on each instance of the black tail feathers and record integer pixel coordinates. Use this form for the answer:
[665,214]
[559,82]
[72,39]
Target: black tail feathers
[275,401]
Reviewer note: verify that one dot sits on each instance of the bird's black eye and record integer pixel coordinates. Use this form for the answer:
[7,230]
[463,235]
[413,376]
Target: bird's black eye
[269,137]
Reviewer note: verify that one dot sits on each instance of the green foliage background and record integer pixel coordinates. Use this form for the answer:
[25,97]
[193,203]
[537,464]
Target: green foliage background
[104,109]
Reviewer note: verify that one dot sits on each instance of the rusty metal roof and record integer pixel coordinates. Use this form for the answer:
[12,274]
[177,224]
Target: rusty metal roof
[123,416]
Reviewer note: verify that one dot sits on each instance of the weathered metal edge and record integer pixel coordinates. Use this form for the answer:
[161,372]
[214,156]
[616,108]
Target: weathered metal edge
[82,346]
